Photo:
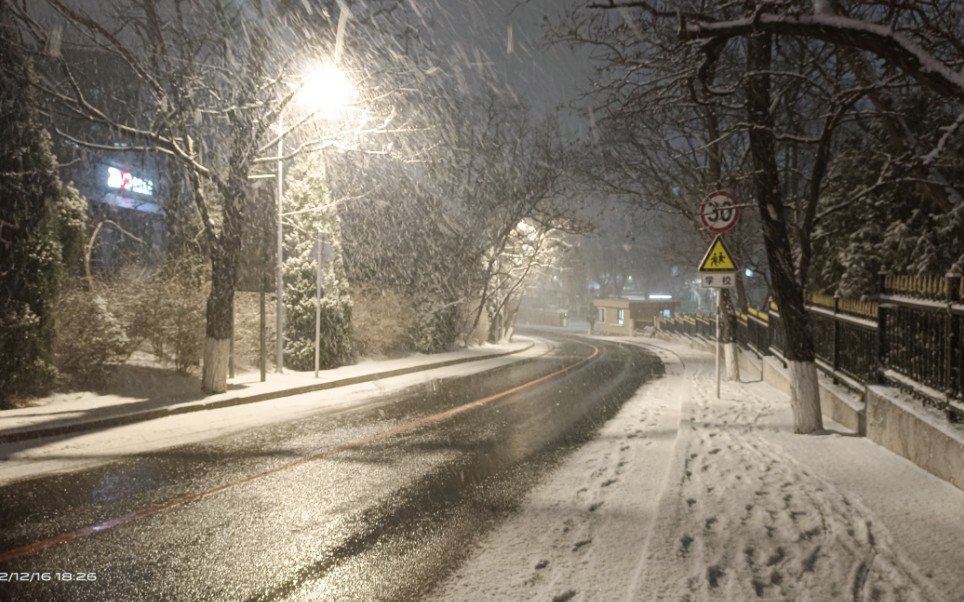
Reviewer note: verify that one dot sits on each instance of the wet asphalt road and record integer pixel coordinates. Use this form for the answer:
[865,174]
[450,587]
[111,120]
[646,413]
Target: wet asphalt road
[378,502]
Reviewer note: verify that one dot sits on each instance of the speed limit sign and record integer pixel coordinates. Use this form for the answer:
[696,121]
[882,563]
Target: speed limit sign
[719,212]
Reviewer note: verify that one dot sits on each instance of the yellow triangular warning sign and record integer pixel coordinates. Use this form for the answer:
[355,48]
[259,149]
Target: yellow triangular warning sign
[717,258]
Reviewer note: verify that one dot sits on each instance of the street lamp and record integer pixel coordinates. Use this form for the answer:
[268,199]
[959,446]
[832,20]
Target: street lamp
[325,93]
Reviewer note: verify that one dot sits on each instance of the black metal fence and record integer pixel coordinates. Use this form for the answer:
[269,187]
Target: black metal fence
[911,336]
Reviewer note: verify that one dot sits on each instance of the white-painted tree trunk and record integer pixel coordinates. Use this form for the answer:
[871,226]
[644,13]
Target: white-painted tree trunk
[805,398]
[732,360]
[214,374]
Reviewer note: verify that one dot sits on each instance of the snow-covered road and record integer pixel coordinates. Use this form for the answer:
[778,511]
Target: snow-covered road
[686,497]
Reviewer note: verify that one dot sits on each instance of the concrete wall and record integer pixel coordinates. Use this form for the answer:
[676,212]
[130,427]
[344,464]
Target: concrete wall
[897,425]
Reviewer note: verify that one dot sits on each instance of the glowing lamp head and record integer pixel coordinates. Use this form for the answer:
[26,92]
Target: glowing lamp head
[327,92]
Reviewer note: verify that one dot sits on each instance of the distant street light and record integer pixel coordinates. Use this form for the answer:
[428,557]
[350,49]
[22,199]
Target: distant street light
[325,93]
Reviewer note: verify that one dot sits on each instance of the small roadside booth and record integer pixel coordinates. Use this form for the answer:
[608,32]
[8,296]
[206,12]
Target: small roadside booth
[621,317]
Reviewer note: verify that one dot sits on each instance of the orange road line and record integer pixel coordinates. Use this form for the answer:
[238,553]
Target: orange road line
[43,544]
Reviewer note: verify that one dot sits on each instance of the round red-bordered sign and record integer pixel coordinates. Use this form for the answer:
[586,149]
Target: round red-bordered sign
[719,212]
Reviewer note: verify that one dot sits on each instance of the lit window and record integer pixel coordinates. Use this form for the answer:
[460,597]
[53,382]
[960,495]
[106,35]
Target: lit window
[621,316]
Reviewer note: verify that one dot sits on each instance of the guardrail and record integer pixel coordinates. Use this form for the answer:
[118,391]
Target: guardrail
[911,336]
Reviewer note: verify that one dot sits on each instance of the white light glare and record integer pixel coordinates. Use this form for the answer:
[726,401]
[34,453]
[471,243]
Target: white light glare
[327,91]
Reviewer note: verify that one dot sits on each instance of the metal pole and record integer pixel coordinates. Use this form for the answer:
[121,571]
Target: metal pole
[318,304]
[279,268]
[718,306]
[262,327]
[231,344]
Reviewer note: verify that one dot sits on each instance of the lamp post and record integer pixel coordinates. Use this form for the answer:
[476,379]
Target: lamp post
[325,92]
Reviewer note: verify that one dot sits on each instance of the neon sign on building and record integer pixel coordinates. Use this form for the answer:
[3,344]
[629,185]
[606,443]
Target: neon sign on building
[123,180]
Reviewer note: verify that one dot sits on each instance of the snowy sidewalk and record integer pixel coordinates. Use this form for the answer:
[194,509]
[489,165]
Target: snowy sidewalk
[686,497]
[80,412]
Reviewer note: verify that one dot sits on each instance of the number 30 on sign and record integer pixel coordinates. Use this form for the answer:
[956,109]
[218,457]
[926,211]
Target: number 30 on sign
[719,212]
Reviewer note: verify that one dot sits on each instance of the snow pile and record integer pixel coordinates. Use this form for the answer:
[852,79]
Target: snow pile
[685,497]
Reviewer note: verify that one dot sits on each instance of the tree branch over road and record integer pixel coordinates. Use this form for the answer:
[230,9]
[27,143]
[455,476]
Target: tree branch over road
[880,40]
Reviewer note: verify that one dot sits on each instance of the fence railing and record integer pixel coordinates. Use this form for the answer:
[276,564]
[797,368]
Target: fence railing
[911,336]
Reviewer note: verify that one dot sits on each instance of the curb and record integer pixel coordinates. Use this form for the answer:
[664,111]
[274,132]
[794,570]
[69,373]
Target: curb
[27,433]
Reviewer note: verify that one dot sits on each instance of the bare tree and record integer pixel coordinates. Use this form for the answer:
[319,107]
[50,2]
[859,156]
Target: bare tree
[662,140]
[209,81]
[765,115]
[457,209]
[887,42]
[887,47]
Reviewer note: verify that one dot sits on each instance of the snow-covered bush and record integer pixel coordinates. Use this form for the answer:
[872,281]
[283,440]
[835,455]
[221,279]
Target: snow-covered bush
[336,310]
[168,311]
[469,315]
[90,340]
[26,369]
[437,326]
[382,322]
[37,216]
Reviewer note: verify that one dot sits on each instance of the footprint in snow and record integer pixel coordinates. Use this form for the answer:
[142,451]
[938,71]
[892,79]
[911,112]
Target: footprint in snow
[685,543]
[777,557]
[580,544]
[714,574]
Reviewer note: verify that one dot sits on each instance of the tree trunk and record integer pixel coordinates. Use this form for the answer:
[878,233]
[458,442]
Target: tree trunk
[728,325]
[214,374]
[511,313]
[787,290]
[225,256]
[803,385]
[495,327]
[731,360]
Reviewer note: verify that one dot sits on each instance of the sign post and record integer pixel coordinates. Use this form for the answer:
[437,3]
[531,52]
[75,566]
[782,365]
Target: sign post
[717,270]
[718,213]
